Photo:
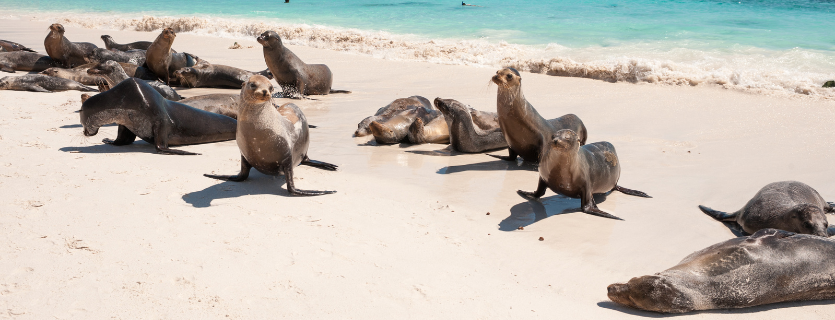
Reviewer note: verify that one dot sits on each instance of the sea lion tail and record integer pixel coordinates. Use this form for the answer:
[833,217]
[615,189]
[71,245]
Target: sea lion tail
[339,91]
[718,215]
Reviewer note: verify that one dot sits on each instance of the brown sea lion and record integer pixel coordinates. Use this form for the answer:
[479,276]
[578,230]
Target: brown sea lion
[78,74]
[296,78]
[9,46]
[471,130]
[396,129]
[141,111]
[24,61]
[579,171]
[41,83]
[67,54]
[524,129]
[110,44]
[205,74]
[788,205]
[767,267]
[273,141]
[390,110]
[163,61]
[436,131]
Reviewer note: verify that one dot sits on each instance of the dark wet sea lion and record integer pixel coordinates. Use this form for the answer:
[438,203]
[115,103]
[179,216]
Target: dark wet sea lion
[294,76]
[220,103]
[78,74]
[471,130]
[41,83]
[390,110]
[24,61]
[205,74]
[136,57]
[524,129]
[9,46]
[788,205]
[67,54]
[141,111]
[113,73]
[163,61]
[110,44]
[273,141]
[767,267]
[396,128]
[579,171]
[436,131]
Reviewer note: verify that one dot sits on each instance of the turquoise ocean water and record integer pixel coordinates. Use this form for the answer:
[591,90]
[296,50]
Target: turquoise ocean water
[766,46]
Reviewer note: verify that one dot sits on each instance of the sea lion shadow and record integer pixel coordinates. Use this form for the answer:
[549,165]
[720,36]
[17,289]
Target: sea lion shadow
[445,152]
[495,165]
[257,183]
[531,211]
[648,314]
[136,147]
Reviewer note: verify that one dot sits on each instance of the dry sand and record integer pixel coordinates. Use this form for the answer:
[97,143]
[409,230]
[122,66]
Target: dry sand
[92,231]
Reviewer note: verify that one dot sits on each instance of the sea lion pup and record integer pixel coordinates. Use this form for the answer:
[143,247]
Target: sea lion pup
[9,46]
[162,60]
[579,171]
[67,54]
[41,83]
[141,111]
[205,74]
[113,73]
[396,129]
[390,110]
[788,205]
[294,76]
[471,130]
[524,129]
[136,57]
[436,131]
[110,44]
[24,61]
[769,266]
[78,74]
[274,141]
[220,103]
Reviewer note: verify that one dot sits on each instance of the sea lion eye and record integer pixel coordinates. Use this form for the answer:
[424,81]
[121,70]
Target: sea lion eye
[252,85]
[509,76]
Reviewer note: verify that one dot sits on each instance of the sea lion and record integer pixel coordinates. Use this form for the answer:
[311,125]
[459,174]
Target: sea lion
[390,110]
[271,140]
[788,205]
[110,44]
[141,111]
[67,54]
[10,46]
[163,61]
[113,73]
[205,74]
[136,57]
[41,83]
[769,266]
[220,103]
[579,171]
[471,130]
[524,129]
[396,128]
[24,61]
[436,131]
[78,74]
[294,76]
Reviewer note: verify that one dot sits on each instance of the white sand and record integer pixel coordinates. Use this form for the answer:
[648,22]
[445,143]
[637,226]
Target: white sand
[92,231]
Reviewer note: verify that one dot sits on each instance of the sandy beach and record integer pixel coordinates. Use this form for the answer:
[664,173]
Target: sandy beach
[93,231]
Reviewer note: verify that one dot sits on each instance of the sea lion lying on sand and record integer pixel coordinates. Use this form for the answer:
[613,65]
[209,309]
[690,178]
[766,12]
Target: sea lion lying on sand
[9,46]
[113,73]
[390,110]
[24,61]
[110,44]
[205,74]
[41,83]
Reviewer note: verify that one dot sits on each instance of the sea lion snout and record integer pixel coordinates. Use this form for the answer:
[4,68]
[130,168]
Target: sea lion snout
[169,33]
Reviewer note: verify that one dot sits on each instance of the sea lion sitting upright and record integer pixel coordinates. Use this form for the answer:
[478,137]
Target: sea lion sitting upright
[24,61]
[788,205]
[141,111]
[41,83]
[524,129]
[294,76]
[579,171]
[390,110]
[471,130]
[205,74]
[68,54]
[162,60]
[767,267]
[10,46]
[110,44]
[112,72]
[274,141]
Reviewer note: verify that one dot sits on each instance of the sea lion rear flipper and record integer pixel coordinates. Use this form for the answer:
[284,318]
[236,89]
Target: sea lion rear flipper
[245,168]
[540,191]
[339,91]
[512,155]
[718,215]
[37,88]
[291,187]
[600,213]
[7,68]
[631,192]
[319,164]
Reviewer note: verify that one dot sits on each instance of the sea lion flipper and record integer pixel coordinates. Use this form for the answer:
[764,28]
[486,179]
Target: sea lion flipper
[600,213]
[291,187]
[540,191]
[319,164]
[718,215]
[340,91]
[123,137]
[7,68]
[245,168]
[512,155]
[831,207]
[170,151]
[631,192]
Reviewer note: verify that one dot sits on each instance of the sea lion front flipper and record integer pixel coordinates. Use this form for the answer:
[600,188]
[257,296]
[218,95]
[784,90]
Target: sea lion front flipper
[37,88]
[291,187]
[587,201]
[540,191]
[123,137]
[631,192]
[718,215]
[339,91]
[512,155]
[319,164]
[245,168]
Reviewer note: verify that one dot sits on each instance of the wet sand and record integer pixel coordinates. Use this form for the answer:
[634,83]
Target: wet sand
[94,231]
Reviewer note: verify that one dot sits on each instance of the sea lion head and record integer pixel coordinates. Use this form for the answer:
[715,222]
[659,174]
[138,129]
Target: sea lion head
[257,90]
[507,77]
[270,39]
[810,219]
[449,107]
[104,68]
[565,139]
[4,83]
[187,75]
[653,293]
[167,34]
[382,134]
[52,72]
[57,28]
[106,38]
